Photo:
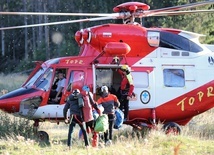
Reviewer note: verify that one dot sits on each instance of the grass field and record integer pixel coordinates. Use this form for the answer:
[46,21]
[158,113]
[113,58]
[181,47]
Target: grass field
[197,138]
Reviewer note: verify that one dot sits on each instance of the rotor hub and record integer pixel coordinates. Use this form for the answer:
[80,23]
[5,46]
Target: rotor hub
[134,9]
[131,7]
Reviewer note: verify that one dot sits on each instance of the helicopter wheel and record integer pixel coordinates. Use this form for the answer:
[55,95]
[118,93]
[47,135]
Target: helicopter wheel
[172,128]
[42,137]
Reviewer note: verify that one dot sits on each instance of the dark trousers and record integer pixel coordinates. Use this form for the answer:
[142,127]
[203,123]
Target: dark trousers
[124,105]
[53,94]
[108,133]
[76,119]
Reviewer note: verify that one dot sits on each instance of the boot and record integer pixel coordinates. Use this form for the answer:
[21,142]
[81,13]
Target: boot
[95,139]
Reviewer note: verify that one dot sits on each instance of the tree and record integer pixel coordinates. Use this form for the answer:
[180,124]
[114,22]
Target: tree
[19,47]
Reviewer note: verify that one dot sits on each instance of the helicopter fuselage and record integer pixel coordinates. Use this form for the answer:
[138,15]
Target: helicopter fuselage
[172,72]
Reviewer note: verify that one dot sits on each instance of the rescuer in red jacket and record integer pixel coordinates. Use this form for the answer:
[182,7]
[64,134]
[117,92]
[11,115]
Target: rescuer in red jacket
[109,103]
[89,106]
[126,89]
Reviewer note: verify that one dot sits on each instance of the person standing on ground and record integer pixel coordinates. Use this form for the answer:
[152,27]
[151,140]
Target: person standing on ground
[109,103]
[89,105]
[75,104]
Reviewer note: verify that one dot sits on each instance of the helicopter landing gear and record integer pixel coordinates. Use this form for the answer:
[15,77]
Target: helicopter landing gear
[41,136]
[172,128]
[140,132]
[140,127]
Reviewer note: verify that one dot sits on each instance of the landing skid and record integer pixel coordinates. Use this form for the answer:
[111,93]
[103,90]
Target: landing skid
[138,123]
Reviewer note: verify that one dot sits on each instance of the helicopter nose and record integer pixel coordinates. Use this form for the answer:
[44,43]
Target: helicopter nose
[9,105]
[10,102]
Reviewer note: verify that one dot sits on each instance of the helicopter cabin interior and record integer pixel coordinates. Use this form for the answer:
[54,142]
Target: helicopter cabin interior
[105,75]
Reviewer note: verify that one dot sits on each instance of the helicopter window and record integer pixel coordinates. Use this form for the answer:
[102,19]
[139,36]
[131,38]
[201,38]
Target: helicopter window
[35,77]
[141,79]
[153,38]
[174,77]
[174,41]
[76,80]
[44,82]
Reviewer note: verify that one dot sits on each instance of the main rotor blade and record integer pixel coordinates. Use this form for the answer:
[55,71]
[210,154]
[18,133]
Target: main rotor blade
[57,23]
[174,13]
[180,7]
[59,14]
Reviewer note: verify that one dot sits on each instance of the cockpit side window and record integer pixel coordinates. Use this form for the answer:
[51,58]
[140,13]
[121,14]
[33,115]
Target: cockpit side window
[76,80]
[174,41]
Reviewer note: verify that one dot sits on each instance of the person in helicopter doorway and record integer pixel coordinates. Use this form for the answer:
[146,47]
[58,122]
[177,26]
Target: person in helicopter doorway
[88,108]
[126,89]
[55,81]
[75,104]
[57,93]
[109,102]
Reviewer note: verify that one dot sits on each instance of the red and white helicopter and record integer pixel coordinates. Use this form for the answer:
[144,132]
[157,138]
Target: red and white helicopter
[173,72]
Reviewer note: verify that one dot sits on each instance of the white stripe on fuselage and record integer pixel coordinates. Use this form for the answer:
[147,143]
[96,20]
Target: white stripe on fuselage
[49,111]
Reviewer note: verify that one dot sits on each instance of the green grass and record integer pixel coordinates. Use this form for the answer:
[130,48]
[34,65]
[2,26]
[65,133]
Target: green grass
[11,81]
[156,143]
[197,137]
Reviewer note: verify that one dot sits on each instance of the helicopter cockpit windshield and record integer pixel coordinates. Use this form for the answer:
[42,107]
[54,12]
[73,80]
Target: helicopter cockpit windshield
[35,77]
[44,81]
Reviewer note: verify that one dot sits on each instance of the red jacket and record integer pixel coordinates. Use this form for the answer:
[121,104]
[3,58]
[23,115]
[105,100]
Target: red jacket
[109,103]
[87,108]
[126,83]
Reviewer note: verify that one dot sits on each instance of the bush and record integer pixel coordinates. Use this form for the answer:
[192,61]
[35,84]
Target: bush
[10,126]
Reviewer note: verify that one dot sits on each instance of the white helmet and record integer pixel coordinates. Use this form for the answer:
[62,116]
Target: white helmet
[104,89]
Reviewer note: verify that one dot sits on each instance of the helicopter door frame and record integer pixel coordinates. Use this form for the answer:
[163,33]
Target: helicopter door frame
[56,70]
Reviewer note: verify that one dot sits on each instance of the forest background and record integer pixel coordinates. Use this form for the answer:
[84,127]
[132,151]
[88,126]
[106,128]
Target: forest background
[20,47]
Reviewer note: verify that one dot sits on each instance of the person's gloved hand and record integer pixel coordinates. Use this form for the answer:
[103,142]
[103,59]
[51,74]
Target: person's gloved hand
[129,97]
[67,121]
[99,112]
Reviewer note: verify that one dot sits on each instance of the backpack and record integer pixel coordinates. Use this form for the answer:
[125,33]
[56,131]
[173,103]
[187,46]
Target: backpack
[80,101]
[119,118]
[101,123]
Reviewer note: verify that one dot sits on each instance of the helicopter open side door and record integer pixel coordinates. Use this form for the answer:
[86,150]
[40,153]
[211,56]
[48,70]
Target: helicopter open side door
[143,84]
[105,75]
